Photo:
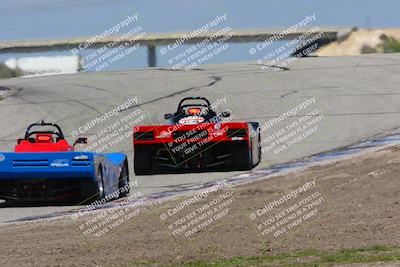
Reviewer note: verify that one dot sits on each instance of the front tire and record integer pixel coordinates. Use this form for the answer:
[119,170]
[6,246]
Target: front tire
[93,190]
[124,181]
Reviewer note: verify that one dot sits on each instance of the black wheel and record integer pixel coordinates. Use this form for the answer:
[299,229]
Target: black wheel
[93,190]
[124,181]
[142,160]
[259,151]
[241,157]
[100,184]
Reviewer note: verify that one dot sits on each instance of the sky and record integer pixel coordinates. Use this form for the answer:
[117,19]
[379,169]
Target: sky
[51,19]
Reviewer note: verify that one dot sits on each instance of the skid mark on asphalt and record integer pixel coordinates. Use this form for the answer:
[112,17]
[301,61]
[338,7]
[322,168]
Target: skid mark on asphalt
[344,67]
[276,67]
[86,105]
[67,99]
[215,79]
[171,69]
[290,93]
[19,95]
[93,87]
[325,114]
[18,131]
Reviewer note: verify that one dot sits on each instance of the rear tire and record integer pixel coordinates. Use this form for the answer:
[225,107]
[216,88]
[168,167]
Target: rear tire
[142,160]
[259,150]
[241,157]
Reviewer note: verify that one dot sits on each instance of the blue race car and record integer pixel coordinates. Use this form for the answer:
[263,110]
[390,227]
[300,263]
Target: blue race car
[44,167]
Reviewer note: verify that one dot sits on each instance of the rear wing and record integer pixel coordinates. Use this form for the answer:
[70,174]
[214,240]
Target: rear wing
[54,165]
[210,132]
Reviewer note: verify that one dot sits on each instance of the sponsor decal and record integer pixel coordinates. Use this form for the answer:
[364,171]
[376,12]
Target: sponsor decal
[59,163]
[164,134]
[191,120]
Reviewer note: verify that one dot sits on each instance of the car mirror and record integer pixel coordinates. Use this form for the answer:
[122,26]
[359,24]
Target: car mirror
[225,114]
[168,116]
[80,140]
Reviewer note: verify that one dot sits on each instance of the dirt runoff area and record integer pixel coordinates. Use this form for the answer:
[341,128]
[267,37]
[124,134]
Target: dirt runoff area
[296,218]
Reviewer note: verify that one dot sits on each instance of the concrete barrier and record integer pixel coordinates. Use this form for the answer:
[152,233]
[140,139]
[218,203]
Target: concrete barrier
[45,65]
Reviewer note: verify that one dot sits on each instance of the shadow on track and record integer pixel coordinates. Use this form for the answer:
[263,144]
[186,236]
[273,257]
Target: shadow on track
[31,204]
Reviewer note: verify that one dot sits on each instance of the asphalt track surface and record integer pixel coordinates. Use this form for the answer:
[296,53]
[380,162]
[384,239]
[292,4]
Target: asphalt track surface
[358,96]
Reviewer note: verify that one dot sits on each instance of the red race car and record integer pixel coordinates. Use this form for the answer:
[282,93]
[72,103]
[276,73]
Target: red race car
[196,139]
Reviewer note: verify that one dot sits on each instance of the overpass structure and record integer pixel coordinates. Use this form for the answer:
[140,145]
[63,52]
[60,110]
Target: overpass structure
[153,40]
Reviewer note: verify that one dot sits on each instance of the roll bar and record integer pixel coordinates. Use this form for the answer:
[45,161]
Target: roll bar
[42,124]
[193,98]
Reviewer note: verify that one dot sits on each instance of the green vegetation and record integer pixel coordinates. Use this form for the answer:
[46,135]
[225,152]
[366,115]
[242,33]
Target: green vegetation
[309,258]
[6,72]
[388,45]
[391,45]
